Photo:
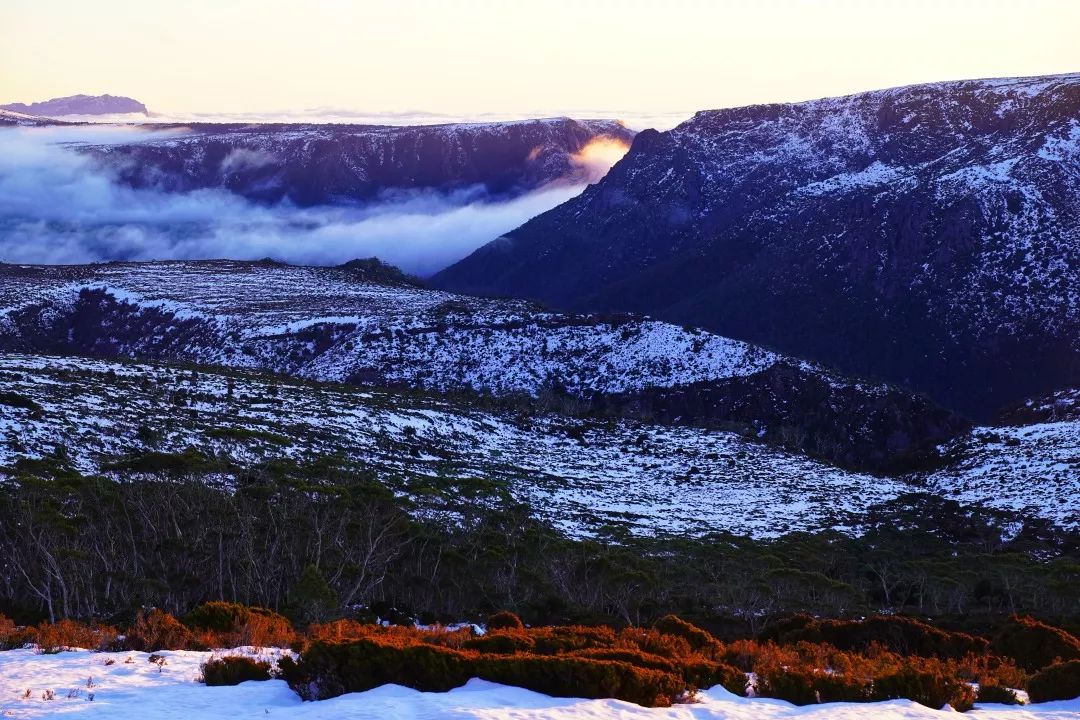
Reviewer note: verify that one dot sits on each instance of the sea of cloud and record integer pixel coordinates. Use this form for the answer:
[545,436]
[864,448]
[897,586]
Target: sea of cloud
[58,207]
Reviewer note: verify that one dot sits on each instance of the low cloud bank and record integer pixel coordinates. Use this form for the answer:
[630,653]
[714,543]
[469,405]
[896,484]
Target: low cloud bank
[57,207]
[633,119]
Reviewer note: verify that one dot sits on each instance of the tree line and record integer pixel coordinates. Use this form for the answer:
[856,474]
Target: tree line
[173,532]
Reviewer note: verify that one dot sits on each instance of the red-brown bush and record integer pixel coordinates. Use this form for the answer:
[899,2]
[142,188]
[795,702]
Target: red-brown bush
[157,630]
[222,624]
[655,642]
[11,635]
[62,634]
[811,672]
[697,638]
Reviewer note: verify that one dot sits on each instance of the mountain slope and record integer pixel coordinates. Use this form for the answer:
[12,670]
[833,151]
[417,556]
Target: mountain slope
[9,118]
[363,323]
[928,235]
[323,164]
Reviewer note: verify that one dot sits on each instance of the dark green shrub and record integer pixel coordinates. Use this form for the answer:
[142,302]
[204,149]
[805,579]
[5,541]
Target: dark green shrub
[806,686]
[220,616]
[313,597]
[233,670]
[1034,645]
[704,674]
[926,686]
[903,635]
[997,694]
[500,643]
[579,677]
[1060,681]
[634,657]
[17,400]
[568,638]
[505,620]
[327,670]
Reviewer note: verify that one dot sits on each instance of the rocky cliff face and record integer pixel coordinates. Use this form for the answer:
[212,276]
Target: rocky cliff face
[325,164]
[928,235]
[80,105]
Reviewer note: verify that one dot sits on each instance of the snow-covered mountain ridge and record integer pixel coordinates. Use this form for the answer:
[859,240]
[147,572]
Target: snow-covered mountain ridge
[927,235]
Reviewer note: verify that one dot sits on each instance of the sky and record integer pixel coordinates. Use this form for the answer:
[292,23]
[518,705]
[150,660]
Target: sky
[473,57]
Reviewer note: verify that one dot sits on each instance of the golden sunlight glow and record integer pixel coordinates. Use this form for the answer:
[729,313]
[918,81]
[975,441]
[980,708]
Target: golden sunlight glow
[599,155]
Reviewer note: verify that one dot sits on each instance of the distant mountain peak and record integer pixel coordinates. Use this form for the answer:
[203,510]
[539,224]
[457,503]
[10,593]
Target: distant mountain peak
[80,105]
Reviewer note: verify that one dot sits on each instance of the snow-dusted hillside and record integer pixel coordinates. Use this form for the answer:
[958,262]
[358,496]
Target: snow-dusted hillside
[11,118]
[337,324]
[580,475]
[126,686]
[366,323]
[927,235]
[1033,460]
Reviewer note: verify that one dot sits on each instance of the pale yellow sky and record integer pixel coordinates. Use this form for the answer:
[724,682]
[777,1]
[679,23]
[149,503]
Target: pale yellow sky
[476,56]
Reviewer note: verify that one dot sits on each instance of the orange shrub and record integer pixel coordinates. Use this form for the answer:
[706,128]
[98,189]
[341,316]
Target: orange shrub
[222,624]
[697,638]
[54,637]
[11,636]
[813,672]
[338,630]
[656,642]
[157,630]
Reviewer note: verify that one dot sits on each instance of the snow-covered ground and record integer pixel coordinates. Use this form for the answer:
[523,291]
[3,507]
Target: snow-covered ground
[131,688]
[581,475]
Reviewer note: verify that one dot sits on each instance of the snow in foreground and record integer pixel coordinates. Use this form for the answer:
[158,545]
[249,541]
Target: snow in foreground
[133,688]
